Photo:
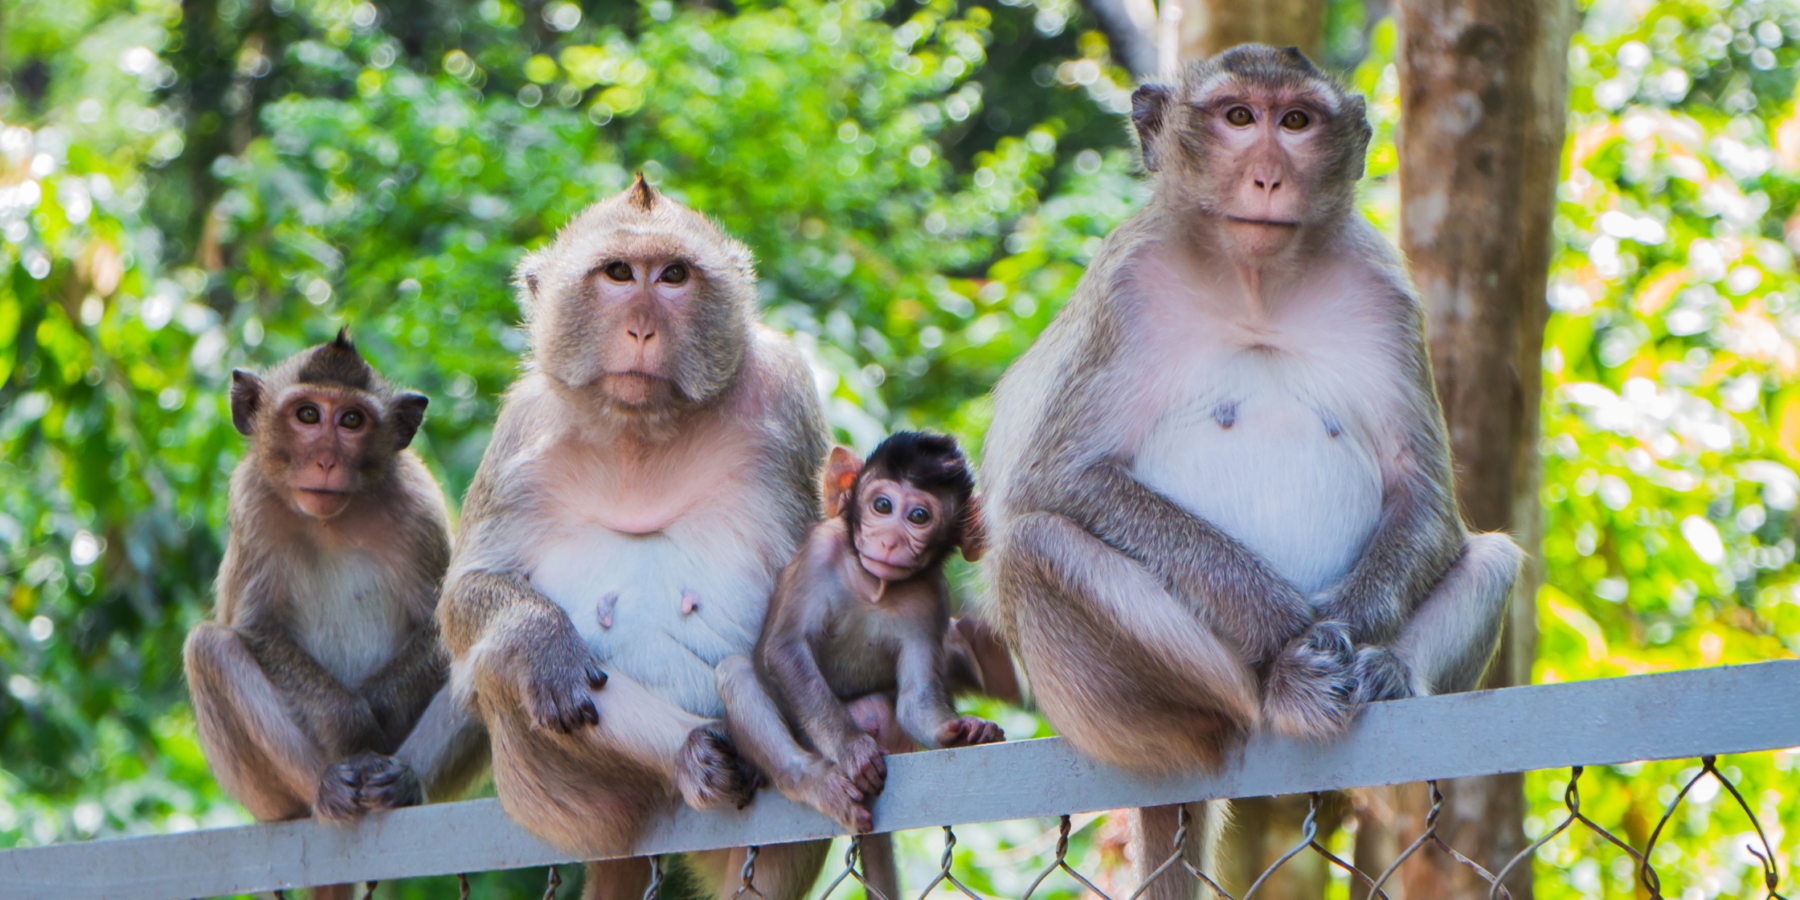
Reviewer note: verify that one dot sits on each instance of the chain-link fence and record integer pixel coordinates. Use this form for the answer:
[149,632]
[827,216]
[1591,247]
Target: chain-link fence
[1671,716]
[849,874]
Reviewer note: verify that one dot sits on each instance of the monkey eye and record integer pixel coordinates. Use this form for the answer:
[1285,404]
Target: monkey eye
[351,420]
[883,505]
[618,271]
[919,515]
[308,414]
[1295,120]
[1239,116]
[674,274]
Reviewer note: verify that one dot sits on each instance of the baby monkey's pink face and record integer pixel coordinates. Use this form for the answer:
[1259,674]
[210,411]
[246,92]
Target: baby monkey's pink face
[901,529]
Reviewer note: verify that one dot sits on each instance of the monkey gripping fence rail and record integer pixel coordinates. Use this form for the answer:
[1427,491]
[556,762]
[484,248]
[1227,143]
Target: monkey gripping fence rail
[1676,715]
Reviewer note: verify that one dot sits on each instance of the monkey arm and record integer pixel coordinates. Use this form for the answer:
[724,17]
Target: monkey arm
[787,662]
[399,691]
[1222,582]
[1420,534]
[335,716]
[524,647]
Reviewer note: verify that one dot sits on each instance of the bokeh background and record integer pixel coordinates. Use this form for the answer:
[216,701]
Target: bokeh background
[186,187]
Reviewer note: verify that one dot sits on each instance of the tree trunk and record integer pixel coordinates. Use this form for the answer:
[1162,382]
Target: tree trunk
[1483,94]
[1209,26]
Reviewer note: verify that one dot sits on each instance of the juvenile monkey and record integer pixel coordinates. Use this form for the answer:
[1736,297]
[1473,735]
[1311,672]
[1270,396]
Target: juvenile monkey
[1219,484]
[863,609]
[319,687]
[650,474]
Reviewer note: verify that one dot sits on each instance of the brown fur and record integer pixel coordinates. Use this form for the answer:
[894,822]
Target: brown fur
[1153,635]
[324,654]
[657,431]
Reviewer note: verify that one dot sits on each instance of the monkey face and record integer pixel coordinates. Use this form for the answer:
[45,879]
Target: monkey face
[901,529]
[328,436]
[641,303]
[1258,138]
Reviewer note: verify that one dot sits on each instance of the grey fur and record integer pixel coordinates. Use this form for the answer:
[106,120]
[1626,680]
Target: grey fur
[583,750]
[1153,638]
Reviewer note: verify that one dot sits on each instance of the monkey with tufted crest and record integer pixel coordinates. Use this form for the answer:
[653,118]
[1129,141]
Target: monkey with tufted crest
[320,686]
[650,474]
[1219,486]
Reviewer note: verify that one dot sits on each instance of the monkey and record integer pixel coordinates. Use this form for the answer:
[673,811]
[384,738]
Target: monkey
[651,472]
[862,609]
[1219,485]
[319,687]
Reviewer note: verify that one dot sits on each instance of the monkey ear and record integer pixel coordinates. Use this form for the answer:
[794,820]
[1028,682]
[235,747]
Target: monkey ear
[1147,106]
[408,412]
[973,537]
[840,476]
[246,399]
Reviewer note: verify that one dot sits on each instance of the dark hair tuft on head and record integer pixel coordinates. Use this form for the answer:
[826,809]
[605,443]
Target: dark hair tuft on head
[337,363]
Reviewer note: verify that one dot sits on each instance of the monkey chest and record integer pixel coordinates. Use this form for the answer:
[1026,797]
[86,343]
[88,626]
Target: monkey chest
[345,617]
[665,608]
[1282,460]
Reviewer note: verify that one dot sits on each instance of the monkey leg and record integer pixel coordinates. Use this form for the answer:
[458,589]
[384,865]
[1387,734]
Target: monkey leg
[761,734]
[1120,667]
[1153,833]
[617,879]
[258,753]
[587,792]
[1447,644]
[782,871]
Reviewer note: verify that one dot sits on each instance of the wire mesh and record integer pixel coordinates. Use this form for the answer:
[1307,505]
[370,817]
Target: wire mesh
[1178,864]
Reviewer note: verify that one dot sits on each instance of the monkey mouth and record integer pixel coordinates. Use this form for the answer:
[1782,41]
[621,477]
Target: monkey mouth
[1268,223]
[885,570]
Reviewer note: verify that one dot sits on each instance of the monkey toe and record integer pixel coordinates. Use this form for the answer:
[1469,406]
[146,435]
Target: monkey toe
[837,796]
[388,783]
[968,731]
[1380,675]
[1310,688]
[865,766]
[710,774]
[338,788]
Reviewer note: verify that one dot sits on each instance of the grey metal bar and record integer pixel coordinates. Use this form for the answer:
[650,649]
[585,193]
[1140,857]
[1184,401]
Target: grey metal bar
[1672,715]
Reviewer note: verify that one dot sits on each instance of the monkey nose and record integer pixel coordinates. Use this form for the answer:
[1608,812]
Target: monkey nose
[1268,184]
[641,334]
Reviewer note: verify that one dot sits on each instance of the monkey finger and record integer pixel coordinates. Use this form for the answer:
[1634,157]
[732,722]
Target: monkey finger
[596,678]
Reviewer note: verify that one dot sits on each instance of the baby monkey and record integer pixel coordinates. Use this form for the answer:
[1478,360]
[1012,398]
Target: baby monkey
[862,610]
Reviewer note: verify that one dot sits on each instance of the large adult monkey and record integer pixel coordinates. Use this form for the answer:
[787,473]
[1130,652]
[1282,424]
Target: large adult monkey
[320,688]
[1220,491]
[649,476]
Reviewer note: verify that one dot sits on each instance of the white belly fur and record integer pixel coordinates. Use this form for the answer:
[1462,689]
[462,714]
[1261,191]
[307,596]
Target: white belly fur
[1276,480]
[345,617]
[651,640]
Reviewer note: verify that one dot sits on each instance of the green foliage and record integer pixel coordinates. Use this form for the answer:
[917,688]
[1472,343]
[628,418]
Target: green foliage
[1670,433]
[187,188]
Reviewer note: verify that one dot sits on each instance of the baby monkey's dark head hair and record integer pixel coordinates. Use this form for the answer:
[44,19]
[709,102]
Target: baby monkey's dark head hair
[932,462]
[908,505]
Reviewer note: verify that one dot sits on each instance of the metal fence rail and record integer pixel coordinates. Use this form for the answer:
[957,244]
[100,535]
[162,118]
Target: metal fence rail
[1673,715]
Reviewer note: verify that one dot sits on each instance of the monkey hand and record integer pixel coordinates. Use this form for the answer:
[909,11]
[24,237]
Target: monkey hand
[710,774]
[1380,675]
[967,731]
[861,761]
[558,693]
[1311,685]
[366,782]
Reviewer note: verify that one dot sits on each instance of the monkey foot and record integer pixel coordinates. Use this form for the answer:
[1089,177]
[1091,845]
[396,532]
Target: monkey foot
[967,731]
[862,762]
[364,783]
[1380,675]
[1310,688]
[830,792]
[710,774]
